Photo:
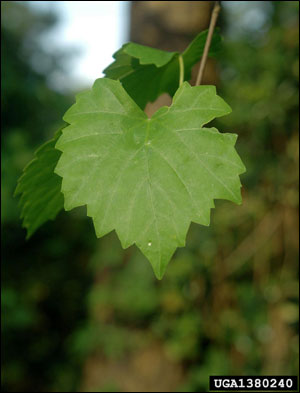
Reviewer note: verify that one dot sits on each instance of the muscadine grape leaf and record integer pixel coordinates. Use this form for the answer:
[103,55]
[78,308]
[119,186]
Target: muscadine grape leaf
[147,72]
[41,198]
[147,179]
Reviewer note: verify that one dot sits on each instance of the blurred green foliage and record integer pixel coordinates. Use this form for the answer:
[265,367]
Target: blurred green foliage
[83,314]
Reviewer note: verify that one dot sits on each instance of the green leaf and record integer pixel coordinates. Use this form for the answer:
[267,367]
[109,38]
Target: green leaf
[147,55]
[146,72]
[147,179]
[40,187]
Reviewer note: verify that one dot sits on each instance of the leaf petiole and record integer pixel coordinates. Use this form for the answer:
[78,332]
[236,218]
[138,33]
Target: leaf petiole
[181,70]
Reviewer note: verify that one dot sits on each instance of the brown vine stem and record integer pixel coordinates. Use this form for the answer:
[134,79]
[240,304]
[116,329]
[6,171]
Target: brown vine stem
[212,24]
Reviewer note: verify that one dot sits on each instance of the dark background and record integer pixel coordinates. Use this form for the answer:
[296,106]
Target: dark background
[80,313]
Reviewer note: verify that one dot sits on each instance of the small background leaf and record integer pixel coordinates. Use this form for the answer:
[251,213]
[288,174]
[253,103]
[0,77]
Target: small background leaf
[148,55]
